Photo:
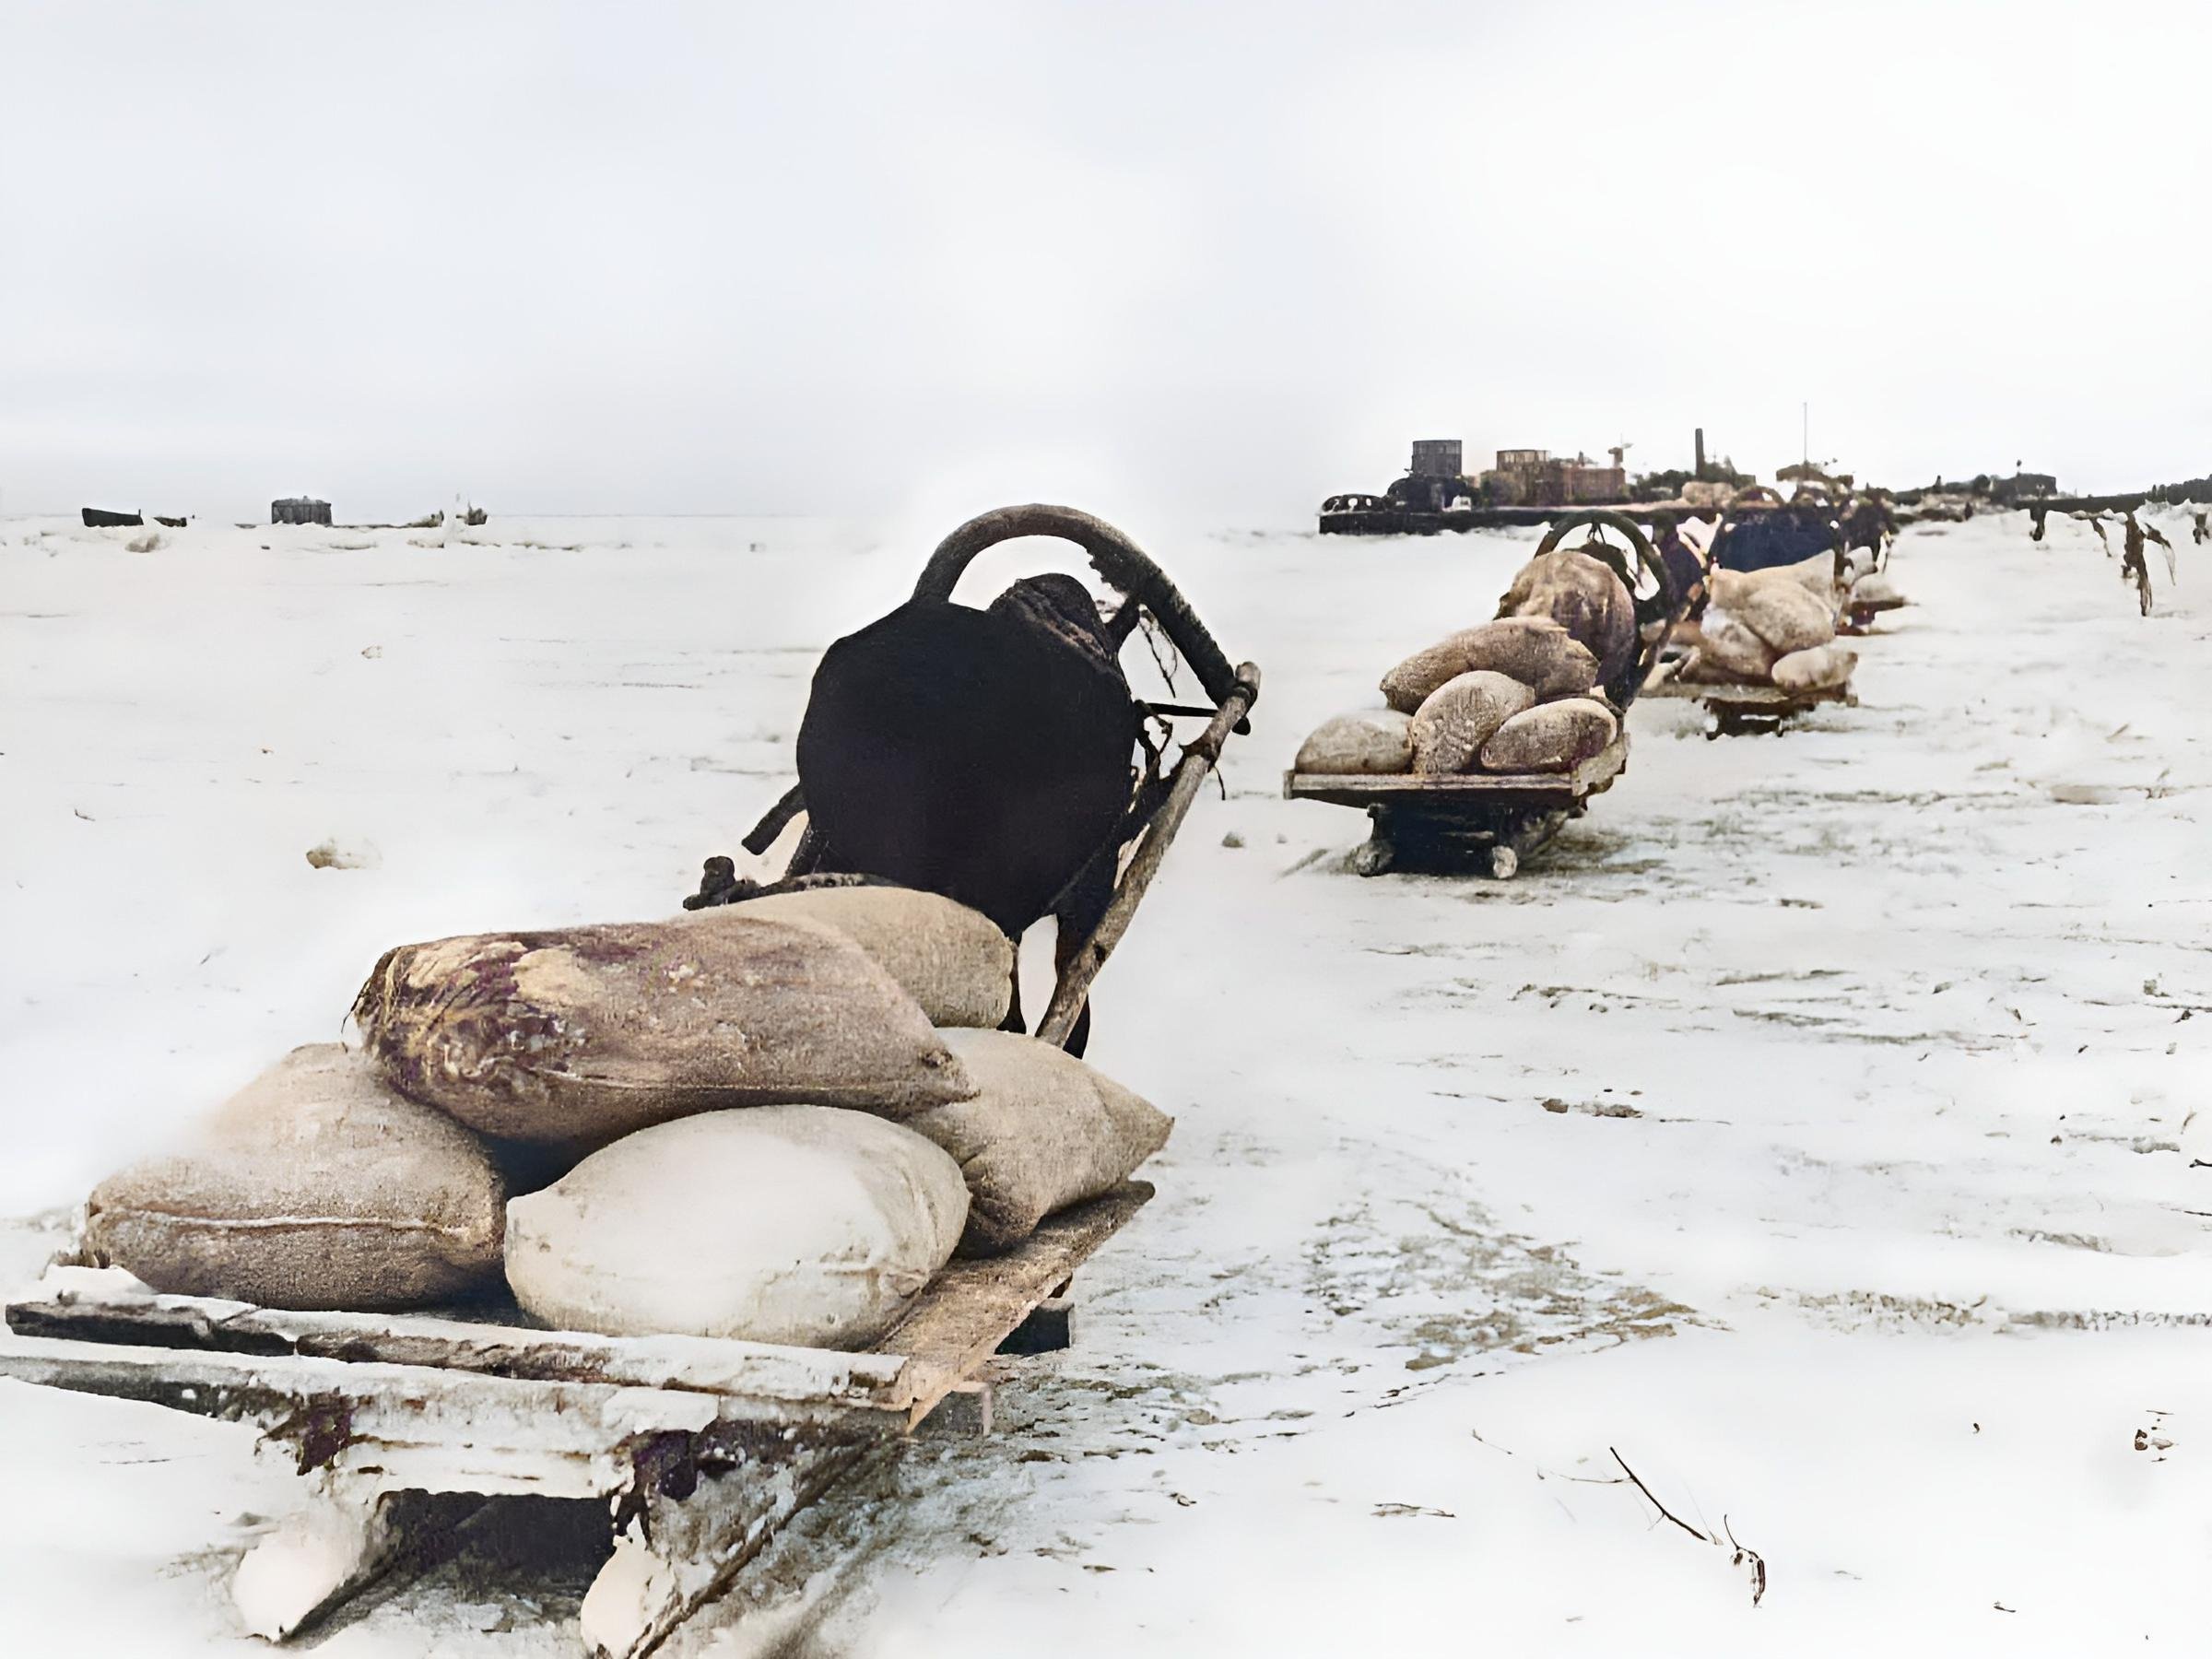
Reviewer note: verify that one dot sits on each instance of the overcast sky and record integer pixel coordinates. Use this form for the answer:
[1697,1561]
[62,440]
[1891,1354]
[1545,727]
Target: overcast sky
[1219,259]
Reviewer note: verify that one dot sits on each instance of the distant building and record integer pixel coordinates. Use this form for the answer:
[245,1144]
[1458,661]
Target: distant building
[1436,458]
[298,510]
[1533,478]
[1583,480]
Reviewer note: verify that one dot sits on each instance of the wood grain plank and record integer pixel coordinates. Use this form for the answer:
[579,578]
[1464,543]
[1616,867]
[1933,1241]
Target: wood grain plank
[960,1321]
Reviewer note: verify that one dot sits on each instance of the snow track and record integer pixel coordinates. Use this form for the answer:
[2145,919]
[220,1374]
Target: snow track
[1811,1124]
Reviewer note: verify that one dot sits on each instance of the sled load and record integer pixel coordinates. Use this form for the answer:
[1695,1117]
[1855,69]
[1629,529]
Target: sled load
[687,1216]
[1763,648]
[1491,739]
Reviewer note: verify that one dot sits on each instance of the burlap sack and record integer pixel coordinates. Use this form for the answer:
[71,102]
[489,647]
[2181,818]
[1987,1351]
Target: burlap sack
[1044,1131]
[951,959]
[1816,575]
[1551,737]
[1815,670]
[580,1034]
[1371,740]
[1783,613]
[315,1186]
[1876,589]
[791,1224]
[1727,651]
[1533,650]
[1583,596]
[1459,717]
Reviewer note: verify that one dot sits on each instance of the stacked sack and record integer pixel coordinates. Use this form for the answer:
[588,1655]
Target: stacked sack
[774,1121]
[1859,589]
[1515,695]
[1774,628]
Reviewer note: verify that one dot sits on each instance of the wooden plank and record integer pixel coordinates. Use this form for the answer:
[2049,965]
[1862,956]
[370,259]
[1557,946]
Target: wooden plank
[230,1360]
[1398,789]
[974,1305]
[410,1426]
[1748,696]
[87,1305]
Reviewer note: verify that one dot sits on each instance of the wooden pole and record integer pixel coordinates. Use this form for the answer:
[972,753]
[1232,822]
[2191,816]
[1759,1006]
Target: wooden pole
[1198,758]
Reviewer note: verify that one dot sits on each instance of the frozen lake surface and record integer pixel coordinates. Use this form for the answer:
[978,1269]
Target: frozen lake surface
[1811,1125]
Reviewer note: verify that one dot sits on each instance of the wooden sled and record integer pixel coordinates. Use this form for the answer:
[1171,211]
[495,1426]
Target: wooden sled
[1732,710]
[409,1426]
[1491,821]
[701,1447]
[1476,821]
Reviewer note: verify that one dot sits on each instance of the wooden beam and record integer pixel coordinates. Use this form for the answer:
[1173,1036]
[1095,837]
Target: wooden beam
[82,1305]
[949,1335]
[1199,756]
[409,1426]
[1769,698]
[1400,789]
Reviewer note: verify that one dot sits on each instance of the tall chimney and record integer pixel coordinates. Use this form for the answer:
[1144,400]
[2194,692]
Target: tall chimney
[1700,472]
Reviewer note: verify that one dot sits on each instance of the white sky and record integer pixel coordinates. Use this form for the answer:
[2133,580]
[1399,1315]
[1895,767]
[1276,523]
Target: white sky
[1220,259]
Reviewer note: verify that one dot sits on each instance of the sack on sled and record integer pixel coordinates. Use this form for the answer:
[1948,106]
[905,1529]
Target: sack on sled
[1459,718]
[1551,737]
[1044,1131]
[1537,651]
[577,1035]
[1819,669]
[1370,741]
[315,1186]
[790,1224]
[953,961]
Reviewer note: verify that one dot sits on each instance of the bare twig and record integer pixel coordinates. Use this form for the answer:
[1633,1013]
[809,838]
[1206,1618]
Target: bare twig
[1661,1508]
[1741,1556]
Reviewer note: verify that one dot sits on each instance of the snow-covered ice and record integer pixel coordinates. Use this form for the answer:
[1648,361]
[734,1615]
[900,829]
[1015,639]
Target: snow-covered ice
[1807,1126]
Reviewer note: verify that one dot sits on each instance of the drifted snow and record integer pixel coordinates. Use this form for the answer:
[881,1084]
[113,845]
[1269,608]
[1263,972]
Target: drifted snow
[1806,1125]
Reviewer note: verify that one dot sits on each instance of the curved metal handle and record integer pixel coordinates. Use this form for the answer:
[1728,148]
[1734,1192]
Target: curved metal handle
[1663,605]
[1117,559]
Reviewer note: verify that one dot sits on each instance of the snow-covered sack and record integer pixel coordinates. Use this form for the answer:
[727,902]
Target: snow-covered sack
[1583,596]
[315,1186]
[951,959]
[1044,1131]
[1783,614]
[1551,737]
[1815,670]
[1536,651]
[577,1035]
[1728,650]
[1876,591]
[1459,717]
[1816,575]
[793,1224]
[1370,740]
